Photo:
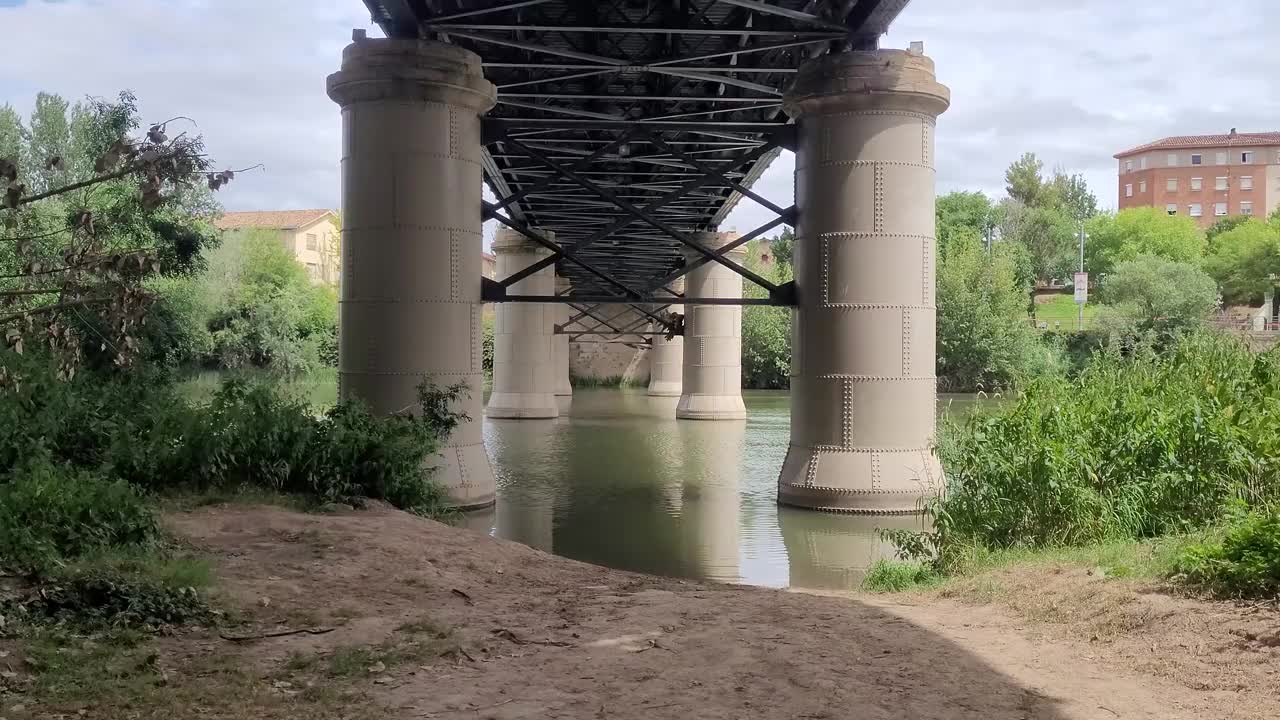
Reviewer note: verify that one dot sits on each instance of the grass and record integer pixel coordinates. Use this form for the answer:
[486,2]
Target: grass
[1063,309]
[1154,560]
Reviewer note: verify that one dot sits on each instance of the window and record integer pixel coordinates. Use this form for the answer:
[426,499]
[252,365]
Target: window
[1142,163]
[1196,183]
[1142,186]
[1171,185]
[313,270]
[1194,210]
[1196,159]
[1219,209]
[1171,208]
[1128,190]
[311,242]
[1246,182]
[1246,158]
[1171,160]
[1220,183]
[1220,158]
[1246,207]
[1128,166]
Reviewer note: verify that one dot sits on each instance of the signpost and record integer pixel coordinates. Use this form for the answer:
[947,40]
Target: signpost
[1082,296]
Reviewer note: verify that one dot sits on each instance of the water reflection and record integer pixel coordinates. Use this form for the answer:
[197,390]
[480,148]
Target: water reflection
[618,481]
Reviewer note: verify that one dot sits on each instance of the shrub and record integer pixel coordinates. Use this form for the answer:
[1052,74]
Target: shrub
[1141,443]
[104,597]
[1243,562]
[486,344]
[50,512]
[1151,293]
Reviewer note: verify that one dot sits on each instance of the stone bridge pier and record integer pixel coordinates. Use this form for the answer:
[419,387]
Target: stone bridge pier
[863,387]
[411,181]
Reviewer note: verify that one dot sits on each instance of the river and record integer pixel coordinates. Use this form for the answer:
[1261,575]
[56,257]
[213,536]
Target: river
[618,481]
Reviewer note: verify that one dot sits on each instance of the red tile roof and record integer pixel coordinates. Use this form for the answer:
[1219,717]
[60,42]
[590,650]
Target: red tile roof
[1233,139]
[270,219]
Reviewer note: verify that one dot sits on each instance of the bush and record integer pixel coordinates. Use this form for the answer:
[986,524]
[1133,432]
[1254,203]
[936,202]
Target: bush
[1151,293]
[1243,562]
[486,344]
[985,341]
[137,429]
[1142,443]
[48,513]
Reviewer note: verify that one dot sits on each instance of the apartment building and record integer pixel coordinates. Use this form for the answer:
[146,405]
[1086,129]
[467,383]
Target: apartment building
[1206,177]
[310,235]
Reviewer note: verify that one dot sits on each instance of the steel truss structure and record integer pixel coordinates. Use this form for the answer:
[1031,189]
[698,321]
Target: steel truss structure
[625,127]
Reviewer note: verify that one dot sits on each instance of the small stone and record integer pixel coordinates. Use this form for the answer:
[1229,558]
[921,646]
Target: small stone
[382,680]
[264,601]
[377,667]
[282,684]
[17,708]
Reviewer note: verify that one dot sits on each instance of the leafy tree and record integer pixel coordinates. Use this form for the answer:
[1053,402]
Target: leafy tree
[1128,234]
[766,330]
[1024,183]
[1071,194]
[985,341]
[1049,236]
[1154,293]
[88,213]
[1226,224]
[965,215]
[1245,261]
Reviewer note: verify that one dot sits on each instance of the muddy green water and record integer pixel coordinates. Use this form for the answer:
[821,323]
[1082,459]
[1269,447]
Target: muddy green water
[618,481]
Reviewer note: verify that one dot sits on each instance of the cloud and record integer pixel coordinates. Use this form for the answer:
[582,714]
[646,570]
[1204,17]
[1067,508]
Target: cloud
[1074,81]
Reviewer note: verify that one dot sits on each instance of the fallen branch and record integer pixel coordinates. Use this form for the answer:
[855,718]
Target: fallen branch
[276,634]
[463,595]
[506,634]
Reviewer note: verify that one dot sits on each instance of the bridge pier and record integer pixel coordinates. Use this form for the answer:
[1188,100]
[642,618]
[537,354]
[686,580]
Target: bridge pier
[524,356]
[411,244]
[666,359]
[712,368]
[863,383]
[561,343]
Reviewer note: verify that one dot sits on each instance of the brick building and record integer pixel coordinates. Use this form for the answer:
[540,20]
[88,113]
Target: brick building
[1207,177]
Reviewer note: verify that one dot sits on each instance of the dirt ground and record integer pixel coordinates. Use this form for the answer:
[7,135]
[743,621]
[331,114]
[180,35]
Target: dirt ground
[436,622]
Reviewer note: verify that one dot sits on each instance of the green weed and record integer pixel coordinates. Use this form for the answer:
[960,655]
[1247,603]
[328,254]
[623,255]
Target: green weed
[887,576]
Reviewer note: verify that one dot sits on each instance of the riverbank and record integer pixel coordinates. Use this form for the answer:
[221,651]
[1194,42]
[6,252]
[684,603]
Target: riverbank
[393,616]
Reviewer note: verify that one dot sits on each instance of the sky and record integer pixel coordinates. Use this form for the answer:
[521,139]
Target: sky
[1074,81]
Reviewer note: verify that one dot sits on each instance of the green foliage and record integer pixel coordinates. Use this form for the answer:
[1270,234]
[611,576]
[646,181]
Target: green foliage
[1050,237]
[1226,224]
[1131,233]
[887,576]
[254,306]
[1140,444]
[106,598]
[486,344]
[1152,293]
[1244,561]
[139,430]
[1244,260]
[48,513]
[766,330]
[985,341]
[965,215]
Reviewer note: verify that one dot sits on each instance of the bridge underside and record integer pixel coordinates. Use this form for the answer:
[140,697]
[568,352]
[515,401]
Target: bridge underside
[616,137]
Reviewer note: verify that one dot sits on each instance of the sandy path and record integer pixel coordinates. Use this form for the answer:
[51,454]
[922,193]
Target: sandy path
[549,637]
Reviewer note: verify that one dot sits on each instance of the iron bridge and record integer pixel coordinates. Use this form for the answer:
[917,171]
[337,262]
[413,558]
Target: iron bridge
[625,126]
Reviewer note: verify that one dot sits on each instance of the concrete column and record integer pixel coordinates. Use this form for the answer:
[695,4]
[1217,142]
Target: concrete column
[862,365]
[524,379]
[411,245]
[561,343]
[666,359]
[712,372]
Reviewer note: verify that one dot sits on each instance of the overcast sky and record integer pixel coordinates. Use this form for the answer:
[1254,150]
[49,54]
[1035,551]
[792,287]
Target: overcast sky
[1074,81]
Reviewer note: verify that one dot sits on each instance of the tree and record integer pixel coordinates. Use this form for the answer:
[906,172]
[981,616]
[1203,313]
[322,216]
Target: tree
[1245,261]
[985,341]
[965,215]
[1071,194]
[80,236]
[1128,234]
[766,330]
[1155,293]
[1024,183]
[1049,236]
[1226,224]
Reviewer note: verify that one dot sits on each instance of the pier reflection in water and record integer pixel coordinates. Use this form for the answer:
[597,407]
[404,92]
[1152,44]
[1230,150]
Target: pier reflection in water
[618,481]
